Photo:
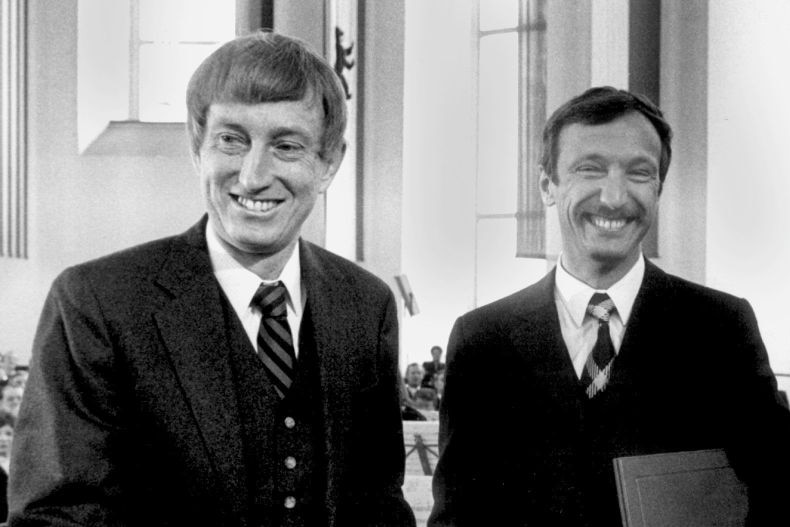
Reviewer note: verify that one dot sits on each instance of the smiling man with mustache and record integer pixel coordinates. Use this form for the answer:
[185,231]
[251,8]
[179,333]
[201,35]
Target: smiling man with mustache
[607,355]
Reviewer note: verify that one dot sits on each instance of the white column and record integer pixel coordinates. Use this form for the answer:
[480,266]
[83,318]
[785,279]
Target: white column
[609,43]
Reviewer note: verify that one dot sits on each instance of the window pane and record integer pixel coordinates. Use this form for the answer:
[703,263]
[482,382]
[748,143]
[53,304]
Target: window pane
[187,20]
[499,272]
[497,171]
[498,14]
[164,73]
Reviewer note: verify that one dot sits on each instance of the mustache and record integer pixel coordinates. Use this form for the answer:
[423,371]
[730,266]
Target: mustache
[614,213]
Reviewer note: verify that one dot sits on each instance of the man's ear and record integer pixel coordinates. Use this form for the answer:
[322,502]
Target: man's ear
[332,162]
[547,188]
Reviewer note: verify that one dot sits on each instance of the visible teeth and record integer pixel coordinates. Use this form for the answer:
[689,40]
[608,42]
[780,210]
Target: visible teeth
[256,205]
[608,225]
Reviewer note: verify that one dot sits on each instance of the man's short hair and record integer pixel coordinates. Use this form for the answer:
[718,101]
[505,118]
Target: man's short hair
[266,67]
[603,105]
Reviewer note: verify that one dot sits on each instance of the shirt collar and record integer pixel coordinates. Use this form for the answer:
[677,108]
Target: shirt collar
[575,294]
[240,284]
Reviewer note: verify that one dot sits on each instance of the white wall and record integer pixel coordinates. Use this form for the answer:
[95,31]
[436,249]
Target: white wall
[440,160]
[748,220]
[438,170]
[80,206]
[684,83]
[383,148]
[568,73]
[84,206]
[723,215]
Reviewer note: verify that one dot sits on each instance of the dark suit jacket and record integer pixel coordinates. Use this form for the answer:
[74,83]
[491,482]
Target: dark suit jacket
[4,491]
[130,417]
[692,373]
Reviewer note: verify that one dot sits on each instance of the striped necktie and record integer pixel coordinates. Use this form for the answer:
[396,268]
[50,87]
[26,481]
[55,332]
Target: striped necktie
[275,345]
[598,366]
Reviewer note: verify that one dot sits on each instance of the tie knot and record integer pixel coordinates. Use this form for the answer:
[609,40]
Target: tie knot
[270,299]
[601,307]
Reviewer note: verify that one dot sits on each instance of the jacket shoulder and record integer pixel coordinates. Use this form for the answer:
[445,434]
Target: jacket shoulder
[518,304]
[338,268]
[142,259]
[688,293]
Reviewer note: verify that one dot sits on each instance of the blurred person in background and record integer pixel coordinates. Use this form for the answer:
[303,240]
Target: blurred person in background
[11,397]
[438,383]
[7,422]
[413,379]
[433,366]
[19,377]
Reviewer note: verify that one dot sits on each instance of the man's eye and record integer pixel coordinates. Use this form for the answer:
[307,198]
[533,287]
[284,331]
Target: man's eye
[641,175]
[230,143]
[589,169]
[227,139]
[289,149]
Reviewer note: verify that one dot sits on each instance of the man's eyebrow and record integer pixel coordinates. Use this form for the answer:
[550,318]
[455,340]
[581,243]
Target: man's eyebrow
[281,131]
[592,156]
[587,156]
[223,123]
[644,159]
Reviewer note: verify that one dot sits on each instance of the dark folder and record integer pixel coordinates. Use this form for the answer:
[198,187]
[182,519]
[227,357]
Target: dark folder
[696,488]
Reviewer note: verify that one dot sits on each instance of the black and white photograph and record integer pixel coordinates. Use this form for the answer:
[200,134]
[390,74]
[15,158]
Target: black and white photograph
[394,263]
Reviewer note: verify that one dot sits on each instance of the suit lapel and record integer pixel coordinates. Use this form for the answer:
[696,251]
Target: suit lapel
[647,328]
[333,308]
[200,355]
[538,334]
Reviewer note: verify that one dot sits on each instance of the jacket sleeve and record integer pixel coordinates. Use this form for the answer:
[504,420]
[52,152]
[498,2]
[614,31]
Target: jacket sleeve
[65,465]
[452,480]
[760,423]
[380,502]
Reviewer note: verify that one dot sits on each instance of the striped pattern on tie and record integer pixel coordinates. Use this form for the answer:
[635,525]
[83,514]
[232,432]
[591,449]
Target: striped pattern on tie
[275,345]
[598,366]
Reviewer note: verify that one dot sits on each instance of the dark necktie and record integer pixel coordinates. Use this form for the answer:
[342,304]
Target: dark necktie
[275,344]
[599,363]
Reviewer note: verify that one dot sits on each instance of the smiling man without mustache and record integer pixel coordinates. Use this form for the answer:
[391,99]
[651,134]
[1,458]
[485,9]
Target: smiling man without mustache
[607,355]
[235,374]
[261,170]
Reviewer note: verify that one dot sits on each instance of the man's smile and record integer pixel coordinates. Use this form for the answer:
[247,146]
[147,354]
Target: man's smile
[256,205]
[607,224]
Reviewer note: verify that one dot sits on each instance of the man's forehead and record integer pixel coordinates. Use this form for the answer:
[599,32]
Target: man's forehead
[224,108]
[276,117]
[310,101]
[627,132]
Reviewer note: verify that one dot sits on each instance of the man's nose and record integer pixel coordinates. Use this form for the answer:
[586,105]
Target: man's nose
[614,188]
[257,169]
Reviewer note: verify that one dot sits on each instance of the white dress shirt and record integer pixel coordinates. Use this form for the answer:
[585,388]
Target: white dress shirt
[580,329]
[240,284]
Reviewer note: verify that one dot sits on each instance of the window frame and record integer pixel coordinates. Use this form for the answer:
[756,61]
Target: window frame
[108,135]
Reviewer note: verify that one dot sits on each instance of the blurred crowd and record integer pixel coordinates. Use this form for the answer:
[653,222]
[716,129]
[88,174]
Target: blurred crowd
[13,378]
[422,388]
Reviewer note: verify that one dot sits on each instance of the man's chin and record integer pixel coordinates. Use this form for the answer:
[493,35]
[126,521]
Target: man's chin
[611,258]
[255,245]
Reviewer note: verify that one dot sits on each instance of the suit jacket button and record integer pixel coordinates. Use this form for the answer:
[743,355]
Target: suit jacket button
[290,422]
[290,462]
[290,502]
